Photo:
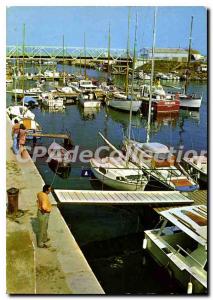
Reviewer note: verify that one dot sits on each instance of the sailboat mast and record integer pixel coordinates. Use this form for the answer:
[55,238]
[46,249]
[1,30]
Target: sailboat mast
[23,50]
[189,54]
[109,42]
[85,70]
[63,63]
[127,56]
[15,74]
[133,74]
[152,76]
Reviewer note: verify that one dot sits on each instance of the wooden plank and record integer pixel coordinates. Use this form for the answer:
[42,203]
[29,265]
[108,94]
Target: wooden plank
[117,197]
[64,196]
[77,196]
[132,196]
[155,197]
[114,197]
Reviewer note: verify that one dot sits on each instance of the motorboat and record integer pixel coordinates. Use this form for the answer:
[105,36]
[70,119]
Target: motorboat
[196,166]
[33,92]
[190,101]
[29,101]
[89,99]
[19,111]
[87,85]
[180,245]
[51,74]
[49,99]
[157,162]
[67,92]
[161,103]
[118,174]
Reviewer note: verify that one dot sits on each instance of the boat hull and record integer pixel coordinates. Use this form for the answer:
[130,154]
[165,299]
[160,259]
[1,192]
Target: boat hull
[90,103]
[115,184]
[163,259]
[162,106]
[125,105]
[190,103]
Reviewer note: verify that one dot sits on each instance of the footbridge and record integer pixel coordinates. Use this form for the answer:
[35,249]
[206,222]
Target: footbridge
[55,52]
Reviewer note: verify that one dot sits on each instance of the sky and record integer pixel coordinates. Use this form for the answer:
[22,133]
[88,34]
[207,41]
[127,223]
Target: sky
[46,25]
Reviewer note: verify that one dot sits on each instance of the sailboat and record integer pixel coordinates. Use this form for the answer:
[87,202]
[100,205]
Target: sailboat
[117,173]
[122,100]
[155,159]
[189,101]
[20,111]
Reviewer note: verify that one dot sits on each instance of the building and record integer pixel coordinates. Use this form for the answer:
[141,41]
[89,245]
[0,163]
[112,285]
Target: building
[175,54]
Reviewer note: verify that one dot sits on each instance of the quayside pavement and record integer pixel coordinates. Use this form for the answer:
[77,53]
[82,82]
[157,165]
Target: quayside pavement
[60,269]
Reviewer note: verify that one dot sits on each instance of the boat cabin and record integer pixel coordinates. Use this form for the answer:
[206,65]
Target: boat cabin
[86,85]
[181,243]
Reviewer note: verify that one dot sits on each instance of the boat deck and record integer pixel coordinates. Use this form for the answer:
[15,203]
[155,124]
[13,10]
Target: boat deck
[122,197]
[199,197]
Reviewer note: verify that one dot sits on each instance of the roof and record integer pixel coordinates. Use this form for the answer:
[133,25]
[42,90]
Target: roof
[190,219]
[168,50]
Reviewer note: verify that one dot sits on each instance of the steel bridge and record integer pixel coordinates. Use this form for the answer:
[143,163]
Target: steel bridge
[54,53]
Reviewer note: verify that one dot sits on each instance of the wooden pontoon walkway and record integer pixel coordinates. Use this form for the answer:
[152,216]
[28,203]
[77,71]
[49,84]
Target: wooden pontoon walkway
[51,135]
[122,197]
[199,197]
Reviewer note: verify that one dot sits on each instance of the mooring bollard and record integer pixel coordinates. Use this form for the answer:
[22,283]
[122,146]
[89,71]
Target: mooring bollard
[12,207]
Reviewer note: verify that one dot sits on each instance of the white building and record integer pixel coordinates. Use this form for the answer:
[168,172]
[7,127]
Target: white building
[175,54]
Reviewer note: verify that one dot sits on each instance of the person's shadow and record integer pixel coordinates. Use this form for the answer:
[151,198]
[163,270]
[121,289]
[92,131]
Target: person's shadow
[34,223]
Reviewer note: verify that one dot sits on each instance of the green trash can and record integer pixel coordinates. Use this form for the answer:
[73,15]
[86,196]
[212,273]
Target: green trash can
[12,194]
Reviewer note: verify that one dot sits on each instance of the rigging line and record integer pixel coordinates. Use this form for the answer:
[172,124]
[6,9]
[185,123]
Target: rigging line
[55,174]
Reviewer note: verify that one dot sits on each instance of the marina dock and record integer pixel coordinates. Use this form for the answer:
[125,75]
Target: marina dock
[60,269]
[199,198]
[119,197]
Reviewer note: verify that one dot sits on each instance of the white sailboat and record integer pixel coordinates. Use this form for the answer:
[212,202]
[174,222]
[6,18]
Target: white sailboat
[122,100]
[189,101]
[182,246]
[154,158]
[118,173]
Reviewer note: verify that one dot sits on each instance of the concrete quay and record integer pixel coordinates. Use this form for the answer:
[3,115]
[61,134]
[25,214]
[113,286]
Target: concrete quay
[60,269]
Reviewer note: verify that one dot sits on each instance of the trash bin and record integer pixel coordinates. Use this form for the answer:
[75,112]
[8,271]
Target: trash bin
[12,194]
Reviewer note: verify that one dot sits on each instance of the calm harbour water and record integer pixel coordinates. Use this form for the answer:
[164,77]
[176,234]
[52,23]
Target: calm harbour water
[118,262]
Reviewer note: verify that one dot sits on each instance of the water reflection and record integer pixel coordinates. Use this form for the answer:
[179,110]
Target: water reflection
[123,118]
[166,119]
[63,172]
[88,113]
[193,114]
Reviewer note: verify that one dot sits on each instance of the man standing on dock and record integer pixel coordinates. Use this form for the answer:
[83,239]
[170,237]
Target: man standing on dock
[44,209]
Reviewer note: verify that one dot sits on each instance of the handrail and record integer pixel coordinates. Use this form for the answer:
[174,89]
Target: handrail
[180,248]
